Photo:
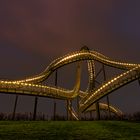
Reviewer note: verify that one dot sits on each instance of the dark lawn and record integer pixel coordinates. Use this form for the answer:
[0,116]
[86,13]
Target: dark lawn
[69,130]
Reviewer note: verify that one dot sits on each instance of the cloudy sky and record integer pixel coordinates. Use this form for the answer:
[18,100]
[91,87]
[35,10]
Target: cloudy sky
[35,32]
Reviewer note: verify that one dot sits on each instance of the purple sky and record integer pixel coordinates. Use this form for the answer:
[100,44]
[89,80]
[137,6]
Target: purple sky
[33,33]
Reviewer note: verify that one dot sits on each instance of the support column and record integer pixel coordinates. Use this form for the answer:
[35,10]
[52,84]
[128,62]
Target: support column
[78,113]
[139,81]
[54,111]
[69,109]
[15,106]
[97,111]
[90,113]
[109,112]
[107,97]
[97,103]
[71,117]
[54,107]
[35,108]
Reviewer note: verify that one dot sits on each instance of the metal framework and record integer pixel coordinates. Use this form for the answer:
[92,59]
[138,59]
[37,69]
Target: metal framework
[87,100]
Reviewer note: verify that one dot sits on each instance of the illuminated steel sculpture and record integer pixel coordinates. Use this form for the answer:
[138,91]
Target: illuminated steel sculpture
[87,99]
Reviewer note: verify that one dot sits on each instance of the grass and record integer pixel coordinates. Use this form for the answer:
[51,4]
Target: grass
[69,130]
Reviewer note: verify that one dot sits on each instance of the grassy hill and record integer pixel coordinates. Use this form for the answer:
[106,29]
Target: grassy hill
[69,130]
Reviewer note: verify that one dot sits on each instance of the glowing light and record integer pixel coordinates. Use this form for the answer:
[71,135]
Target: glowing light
[91,96]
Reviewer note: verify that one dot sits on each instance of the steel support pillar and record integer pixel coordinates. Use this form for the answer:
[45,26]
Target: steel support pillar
[15,106]
[107,97]
[54,106]
[97,103]
[35,108]
[139,81]
[54,110]
[78,112]
[90,113]
[69,109]
[97,111]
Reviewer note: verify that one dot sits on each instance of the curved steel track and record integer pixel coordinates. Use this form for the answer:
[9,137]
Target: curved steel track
[33,85]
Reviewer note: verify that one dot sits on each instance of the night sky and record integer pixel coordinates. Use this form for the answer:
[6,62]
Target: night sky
[33,33]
